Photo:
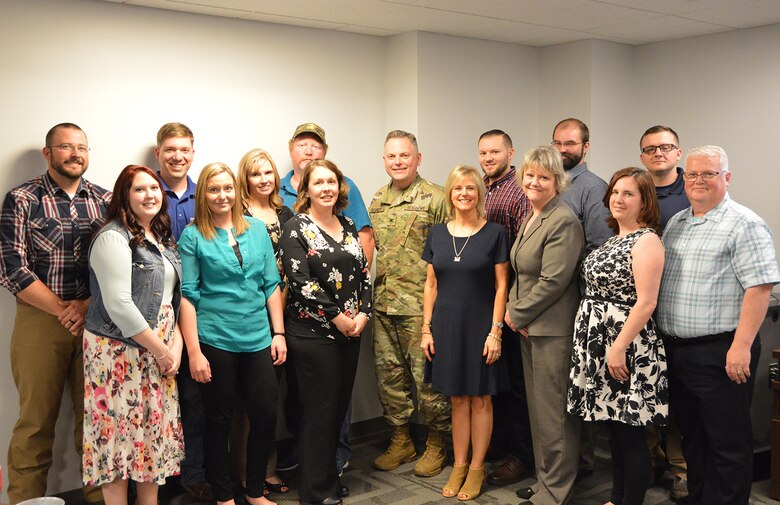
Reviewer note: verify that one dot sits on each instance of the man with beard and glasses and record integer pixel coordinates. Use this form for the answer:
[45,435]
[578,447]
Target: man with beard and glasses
[507,205]
[46,226]
[571,138]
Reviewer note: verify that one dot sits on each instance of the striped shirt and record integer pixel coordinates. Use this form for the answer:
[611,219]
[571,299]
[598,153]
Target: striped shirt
[44,235]
[710,261]
[506,203]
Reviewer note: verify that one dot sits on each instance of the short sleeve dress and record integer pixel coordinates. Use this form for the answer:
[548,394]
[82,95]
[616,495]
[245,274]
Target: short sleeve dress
[464,310]
[610,292]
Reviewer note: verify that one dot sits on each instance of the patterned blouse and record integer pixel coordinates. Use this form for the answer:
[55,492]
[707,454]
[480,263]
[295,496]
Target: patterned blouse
[325,277]
[274,230]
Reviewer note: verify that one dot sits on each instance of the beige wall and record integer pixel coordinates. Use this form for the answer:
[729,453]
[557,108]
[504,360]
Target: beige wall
[120,72]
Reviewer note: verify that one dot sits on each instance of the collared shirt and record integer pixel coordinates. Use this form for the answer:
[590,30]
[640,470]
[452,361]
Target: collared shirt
[506,203]
[40,240]
[356,208]
[180,210]
[585,197]
[672,198]
[710,261]
[401,225]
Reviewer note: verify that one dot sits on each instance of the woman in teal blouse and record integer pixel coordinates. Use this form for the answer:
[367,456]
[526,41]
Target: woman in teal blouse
[229,279]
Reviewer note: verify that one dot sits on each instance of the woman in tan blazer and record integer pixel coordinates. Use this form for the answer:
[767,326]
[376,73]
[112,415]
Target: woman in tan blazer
[542,304]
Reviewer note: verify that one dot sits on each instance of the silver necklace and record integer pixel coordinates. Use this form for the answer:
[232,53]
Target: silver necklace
[455,249]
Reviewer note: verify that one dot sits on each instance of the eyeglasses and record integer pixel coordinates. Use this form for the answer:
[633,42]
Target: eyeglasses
[707,176]
[568,144]
[81,148]
[665,148]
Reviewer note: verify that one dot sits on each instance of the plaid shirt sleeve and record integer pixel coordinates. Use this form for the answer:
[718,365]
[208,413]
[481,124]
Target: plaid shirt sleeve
[15,274]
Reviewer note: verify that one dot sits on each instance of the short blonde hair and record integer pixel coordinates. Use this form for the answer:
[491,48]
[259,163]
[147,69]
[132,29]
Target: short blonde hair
[459,173]
[548,159]
[203,220]
[249,161]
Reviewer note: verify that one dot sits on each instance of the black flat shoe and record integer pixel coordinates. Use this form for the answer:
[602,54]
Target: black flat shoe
[280,488]
[525,493]
[333,500]
[343,491]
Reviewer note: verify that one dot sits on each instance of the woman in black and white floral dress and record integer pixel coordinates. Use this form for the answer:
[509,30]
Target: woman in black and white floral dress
[328,307]
[618,372]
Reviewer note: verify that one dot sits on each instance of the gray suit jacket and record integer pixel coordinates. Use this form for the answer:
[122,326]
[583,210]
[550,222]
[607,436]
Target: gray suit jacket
[546,257]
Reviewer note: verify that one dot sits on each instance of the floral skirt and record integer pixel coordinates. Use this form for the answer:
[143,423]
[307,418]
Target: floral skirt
[132,424]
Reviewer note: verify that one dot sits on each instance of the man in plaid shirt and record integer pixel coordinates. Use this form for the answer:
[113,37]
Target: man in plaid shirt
[507,205]
[46,226]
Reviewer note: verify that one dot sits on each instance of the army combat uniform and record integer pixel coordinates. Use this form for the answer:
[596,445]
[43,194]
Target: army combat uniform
[401,222]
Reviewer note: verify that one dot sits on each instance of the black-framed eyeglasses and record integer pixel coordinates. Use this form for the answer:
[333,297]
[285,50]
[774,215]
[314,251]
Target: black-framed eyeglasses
[568,144]
[665,148]
[707,176]
[80,148]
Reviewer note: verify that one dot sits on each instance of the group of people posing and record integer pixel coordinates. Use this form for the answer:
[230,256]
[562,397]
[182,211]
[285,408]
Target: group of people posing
[542,291]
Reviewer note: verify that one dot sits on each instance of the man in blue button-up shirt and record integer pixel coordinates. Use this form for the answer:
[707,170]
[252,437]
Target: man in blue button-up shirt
[174,153]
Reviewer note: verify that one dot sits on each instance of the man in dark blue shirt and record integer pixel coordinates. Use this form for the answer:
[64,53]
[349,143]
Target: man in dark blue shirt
[174,153]
[660,152]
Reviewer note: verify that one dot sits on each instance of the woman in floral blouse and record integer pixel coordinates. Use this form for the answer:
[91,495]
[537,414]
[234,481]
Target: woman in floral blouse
[258,189]
[329,305]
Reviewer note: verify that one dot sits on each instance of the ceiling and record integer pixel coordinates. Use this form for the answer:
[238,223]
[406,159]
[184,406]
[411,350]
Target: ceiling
[530,22]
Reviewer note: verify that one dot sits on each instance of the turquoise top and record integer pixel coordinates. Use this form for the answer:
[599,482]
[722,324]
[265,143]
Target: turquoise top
[230,299]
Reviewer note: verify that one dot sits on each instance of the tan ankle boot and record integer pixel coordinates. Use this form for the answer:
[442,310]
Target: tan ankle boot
[455,481]
[473,485]
[434,457]
[401,450]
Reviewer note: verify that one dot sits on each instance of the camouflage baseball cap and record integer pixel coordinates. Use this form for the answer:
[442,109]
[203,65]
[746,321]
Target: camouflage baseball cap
[312,128]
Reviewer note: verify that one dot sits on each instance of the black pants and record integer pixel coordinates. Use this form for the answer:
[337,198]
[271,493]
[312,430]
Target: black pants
[325,370]
[192,420]
[511,424]
[630,463]
[250,376]
[713,415]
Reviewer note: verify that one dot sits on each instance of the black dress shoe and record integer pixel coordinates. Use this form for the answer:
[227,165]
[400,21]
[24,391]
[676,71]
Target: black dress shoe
[525,493]
[332,500]
[342,491]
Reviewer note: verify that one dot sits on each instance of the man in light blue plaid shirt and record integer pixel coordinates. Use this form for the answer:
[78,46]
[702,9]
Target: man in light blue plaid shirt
[719,271]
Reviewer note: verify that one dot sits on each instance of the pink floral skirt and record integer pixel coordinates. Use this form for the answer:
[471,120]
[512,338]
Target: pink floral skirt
[132,423]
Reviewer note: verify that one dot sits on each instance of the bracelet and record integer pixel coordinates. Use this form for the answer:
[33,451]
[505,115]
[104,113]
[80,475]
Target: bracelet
[494,336]
[167,352]
[426,332]
[496,324]
[280,334]
[426,322]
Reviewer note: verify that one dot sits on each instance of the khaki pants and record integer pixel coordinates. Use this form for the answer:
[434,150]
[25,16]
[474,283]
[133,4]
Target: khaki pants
[44,356]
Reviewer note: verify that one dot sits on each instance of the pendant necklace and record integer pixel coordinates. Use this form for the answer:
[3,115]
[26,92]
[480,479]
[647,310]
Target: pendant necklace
[455,249]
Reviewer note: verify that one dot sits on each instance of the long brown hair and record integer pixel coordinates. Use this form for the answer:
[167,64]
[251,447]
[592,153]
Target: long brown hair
[303,202]
[120,209]
[650,215]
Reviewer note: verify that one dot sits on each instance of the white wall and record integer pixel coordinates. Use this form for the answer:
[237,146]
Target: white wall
[120,72]
[720,89]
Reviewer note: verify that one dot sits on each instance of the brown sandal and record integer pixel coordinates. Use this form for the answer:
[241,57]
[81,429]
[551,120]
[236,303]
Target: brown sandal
[473,485]
[455,481]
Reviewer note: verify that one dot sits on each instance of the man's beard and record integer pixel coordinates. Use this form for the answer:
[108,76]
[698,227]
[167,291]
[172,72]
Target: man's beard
[571,160]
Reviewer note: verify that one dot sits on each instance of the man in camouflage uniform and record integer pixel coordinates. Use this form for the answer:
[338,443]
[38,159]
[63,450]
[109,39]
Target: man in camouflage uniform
[402,213]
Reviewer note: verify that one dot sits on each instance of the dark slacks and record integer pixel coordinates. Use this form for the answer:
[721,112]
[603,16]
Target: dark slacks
[630,463]
[325,370]
[511,424]
[250,376]
[192,423]
[713,414]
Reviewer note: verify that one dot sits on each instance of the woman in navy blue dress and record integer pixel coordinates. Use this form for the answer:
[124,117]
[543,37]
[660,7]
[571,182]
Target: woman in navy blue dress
[464,304]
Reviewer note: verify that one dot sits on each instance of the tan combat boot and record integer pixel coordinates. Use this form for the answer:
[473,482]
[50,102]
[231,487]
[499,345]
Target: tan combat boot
[401,450]
[434,457]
